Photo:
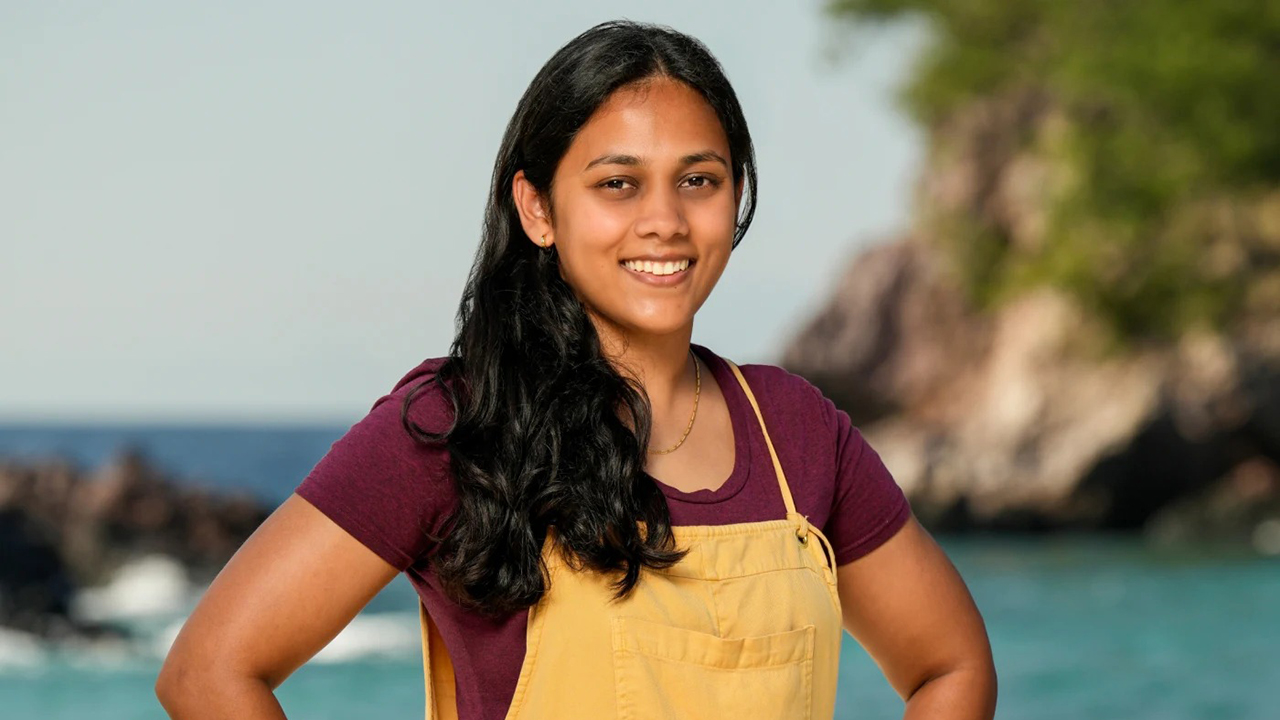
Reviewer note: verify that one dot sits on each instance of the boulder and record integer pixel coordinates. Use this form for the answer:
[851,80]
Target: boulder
[64,529]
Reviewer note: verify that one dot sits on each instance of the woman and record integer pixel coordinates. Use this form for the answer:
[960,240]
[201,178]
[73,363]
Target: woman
[602,518]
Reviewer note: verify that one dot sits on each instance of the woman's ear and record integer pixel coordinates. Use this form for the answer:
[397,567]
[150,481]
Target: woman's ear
[534,217]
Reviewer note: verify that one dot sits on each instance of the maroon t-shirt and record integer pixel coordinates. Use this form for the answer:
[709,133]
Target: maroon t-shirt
[382,488]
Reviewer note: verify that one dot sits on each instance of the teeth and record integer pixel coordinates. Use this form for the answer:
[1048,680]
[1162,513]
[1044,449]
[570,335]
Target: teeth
[657,268]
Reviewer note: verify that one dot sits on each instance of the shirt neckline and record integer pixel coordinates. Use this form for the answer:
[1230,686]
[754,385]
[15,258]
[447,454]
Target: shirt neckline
[736,401]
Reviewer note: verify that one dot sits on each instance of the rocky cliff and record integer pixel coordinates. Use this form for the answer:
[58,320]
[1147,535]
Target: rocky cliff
[1027,411]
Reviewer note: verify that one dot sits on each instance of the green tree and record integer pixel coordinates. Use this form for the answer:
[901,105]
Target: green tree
[1159,123]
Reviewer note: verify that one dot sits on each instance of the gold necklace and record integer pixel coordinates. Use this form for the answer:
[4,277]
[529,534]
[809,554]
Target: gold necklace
[697,389]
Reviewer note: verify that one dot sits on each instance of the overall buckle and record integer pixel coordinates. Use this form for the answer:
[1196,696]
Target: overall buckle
[802,529]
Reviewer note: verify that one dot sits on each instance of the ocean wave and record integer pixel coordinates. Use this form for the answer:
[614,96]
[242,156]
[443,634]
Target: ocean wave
[388,635]
[150,586]
[20,650]
[385,634]
[370,636]
[150,598]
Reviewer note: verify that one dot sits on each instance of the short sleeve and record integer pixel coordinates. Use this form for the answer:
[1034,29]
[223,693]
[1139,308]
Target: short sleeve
[868,507]
[382,486]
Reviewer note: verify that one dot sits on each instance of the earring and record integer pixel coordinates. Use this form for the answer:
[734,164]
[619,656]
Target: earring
[543,242]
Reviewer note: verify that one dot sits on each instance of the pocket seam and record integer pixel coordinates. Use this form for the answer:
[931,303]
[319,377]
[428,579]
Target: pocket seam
[797,642]
[624,657]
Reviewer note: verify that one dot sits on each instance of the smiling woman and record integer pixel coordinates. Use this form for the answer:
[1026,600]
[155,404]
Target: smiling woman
[629,194]
[601,518]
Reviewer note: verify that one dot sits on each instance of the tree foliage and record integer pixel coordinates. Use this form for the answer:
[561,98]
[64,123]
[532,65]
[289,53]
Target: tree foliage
[1161,124]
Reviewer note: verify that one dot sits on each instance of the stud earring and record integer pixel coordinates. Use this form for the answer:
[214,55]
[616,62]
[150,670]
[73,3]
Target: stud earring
[543,242]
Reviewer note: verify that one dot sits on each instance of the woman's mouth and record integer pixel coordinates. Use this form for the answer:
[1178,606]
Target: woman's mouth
[662,274]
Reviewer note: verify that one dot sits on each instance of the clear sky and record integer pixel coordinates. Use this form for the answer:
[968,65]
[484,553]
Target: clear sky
[266,211]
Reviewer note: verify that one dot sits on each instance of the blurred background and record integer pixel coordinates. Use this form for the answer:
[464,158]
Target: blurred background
[1032,248]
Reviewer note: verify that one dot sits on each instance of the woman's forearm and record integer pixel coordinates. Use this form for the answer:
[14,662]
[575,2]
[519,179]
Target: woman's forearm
[218,696]
[962,694]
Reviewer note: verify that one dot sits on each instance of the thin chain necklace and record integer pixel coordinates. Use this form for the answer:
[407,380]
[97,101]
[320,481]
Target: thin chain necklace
[697,390]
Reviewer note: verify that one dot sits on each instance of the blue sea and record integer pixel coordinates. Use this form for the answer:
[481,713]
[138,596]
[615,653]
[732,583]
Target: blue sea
[1090,627]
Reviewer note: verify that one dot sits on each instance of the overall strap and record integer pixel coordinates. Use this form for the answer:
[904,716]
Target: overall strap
[437,671]
[777,466]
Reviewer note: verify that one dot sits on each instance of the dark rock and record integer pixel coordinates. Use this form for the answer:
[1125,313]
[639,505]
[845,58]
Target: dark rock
[63,530]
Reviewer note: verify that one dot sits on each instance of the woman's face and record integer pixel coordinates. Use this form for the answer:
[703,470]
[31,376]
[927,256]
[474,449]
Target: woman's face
[647,177]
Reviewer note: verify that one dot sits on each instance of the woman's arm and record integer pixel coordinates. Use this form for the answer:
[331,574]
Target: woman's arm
[294,584]
[907,606]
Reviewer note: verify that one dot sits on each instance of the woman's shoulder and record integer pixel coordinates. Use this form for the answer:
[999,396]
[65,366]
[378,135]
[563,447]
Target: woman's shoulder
[800,417]
[379,482]
[423,370]
[777,380]
[430,403]
[421,373]
[854,496]
[778,389]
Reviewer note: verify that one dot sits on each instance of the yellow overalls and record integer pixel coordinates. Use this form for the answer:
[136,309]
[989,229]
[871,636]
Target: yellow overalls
[747,625]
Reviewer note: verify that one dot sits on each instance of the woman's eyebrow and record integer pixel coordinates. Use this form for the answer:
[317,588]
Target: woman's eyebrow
[617,159]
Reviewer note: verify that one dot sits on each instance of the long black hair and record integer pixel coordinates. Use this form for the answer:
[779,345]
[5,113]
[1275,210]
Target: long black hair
[545,430]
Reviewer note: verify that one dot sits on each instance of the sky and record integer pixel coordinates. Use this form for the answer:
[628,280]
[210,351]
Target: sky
[265,212]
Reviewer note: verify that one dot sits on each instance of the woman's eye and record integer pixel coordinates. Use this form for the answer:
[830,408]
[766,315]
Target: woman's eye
[695,181]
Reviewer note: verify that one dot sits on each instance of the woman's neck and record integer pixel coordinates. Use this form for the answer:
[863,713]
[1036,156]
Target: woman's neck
[662,364]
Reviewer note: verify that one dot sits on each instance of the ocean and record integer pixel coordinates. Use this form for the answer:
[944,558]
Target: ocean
[1082,626]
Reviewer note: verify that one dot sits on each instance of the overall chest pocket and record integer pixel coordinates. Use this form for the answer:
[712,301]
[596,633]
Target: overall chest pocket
[662,672]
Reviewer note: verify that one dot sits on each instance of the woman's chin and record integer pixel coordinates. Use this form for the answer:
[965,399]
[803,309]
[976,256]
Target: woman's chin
[659,328]
[657,324]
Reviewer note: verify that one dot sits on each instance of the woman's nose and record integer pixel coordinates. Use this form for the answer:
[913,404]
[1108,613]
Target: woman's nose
[662,214]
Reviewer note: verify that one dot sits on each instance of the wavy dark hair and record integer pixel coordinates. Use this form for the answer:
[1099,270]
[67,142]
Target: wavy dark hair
[545,430]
